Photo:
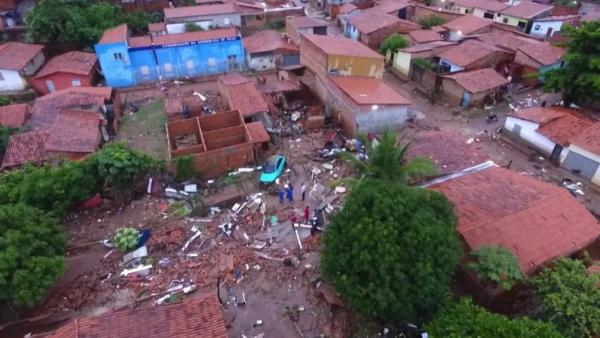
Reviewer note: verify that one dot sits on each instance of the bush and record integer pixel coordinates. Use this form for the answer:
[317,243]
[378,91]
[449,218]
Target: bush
[496,264]
[192,27]
[431,20]
[391,252]
[31,255]
[276,24]
[393,43]
[184,167]
[126,239]
[4,100]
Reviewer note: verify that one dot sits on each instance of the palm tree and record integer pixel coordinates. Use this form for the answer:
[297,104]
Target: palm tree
[387,161]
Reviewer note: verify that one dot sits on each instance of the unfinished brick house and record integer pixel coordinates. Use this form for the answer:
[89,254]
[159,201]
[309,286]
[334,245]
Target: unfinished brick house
[217,143]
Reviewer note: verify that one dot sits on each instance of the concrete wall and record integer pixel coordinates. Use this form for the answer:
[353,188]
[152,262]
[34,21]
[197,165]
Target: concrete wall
[401,62]
[261,61]
[12,81]
[205,21]
[371,120]
[529,134]
[32,66]
[356,66]
[594,157]
[540,29]
[117,72]
[313,58]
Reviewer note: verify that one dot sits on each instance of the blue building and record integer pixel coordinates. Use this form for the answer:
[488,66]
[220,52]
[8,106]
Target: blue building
[127,61]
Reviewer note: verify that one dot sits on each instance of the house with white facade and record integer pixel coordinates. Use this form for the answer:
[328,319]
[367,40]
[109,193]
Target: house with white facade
[522,14]
[548,26]
[205,16]
[488,9]
[18,61]
[583,154]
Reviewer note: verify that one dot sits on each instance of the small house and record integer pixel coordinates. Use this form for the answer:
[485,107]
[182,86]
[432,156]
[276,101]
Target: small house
[295,26]
[397,8]
[487,9]
[583,153]
[252,15]
[371,27]
[539,57]
[403,59]
[466,25]
[522,14]
[18,63]
[72,69]
[548,26]
[75,135]
[473,88]
[265,50]
[205,16]
[471,55]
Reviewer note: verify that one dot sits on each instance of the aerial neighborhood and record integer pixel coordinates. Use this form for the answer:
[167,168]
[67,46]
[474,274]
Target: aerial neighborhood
[300,168]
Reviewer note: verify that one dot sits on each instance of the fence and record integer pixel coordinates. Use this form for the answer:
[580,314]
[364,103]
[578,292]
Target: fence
[187,71]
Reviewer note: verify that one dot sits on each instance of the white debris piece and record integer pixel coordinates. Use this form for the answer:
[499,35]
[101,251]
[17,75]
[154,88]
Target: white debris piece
[193,188]
[142,270]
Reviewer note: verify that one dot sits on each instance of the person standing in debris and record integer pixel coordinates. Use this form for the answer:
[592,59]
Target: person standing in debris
[294,220]
[280,193]
[290,192]
[303,190]
[306,210]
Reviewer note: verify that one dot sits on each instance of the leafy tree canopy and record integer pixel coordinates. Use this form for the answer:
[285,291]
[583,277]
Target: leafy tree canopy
[391,251]
[78,22]
[393,43]
[31,255]
[578,79]
[496,264]
[431,20]
[466,320]
[570,298]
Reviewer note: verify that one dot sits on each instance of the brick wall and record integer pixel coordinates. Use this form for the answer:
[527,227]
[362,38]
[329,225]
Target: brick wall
[217,162]
[313,58]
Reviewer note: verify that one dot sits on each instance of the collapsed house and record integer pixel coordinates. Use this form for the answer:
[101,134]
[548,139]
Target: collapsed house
[217,143]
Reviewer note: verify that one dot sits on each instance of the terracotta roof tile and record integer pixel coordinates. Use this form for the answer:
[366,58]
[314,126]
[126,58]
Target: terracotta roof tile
[202,10]
[268,41]
[541,115]
[424,35]
[371,20]
[428,46]
[391,6]
[16,55]
[468,24]
[242,95]
[526,9]
[565,128]
[25,148]
[544,53]
[257,132]
[305,21]
[535,220]
[195,36]
[157,27]
[115,34]
[368,90]
[468,52]
[334,45]
[448,150]
[72,62]
[14,115]
[75,132]
[193,318]
[347,8]
[506,40]
[490,5]
[139,41]
[479,80]
[589,138]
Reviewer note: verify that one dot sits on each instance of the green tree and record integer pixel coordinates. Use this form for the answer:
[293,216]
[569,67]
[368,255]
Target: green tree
[387,161]
[391,252]
[138,20]
[496,264]
[570,298]
[393,43]
[31,255]
[431,20]
[466,320]
[578,79]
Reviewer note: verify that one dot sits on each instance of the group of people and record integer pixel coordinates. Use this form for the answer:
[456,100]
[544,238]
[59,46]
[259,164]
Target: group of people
[288,192]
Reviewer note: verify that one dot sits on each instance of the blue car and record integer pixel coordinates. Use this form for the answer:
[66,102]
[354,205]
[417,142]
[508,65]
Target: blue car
[272,169]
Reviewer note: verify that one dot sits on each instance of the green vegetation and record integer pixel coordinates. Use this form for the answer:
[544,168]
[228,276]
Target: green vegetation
[387,161]
[578,79]
[5,100]
[193,27]
[570,298]
[145,130]
[32,255]
[424,63]
[184,168]
[391,252]
[496,264]
[78,22]
[393,43]
[275,24]
[126,239]
[431,20]
[466,320]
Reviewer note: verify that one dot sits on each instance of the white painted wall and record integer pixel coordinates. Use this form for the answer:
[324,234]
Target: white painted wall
[12,81]
[544,26]
[175,28]
[375,121]
[263,62]
[402,62]
[531,136]
[595,157]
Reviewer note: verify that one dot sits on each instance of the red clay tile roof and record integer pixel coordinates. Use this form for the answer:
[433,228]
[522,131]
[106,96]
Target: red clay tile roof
[368,90]
[157,27]
[544,53]
[139,41]
[490,5]
[428,46]
[526,10]
[72,62]
[589,138]
[268,41]
[448,150]
[391,6]
[467,53]
[202,10]
[347,8]
[242,95]
[564,129]
[541,115]
[506,40]
[371,20]
[75,132]
[257,132]
[16,55]
[14,115]
[115,34]
[25,148]
[334,45]
[195,36]
[305,21]
[535,220]
[424,35]
[468,24]
[193,318]
[480,80]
